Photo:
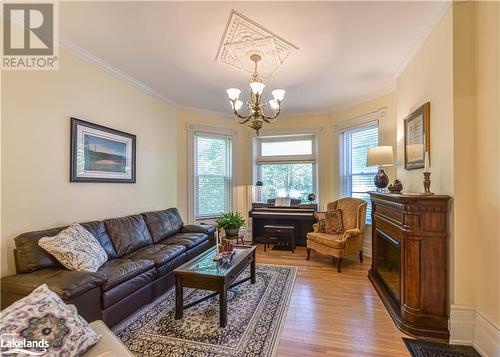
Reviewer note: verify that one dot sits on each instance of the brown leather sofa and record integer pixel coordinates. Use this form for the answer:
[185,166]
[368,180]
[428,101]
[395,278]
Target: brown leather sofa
[143,251]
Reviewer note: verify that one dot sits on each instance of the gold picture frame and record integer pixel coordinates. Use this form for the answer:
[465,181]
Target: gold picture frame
[417,137]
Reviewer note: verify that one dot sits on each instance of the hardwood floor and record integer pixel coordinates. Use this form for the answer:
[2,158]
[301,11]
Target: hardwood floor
[334,314]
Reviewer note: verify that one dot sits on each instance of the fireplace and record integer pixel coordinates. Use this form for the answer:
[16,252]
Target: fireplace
[409,242]
[389,262]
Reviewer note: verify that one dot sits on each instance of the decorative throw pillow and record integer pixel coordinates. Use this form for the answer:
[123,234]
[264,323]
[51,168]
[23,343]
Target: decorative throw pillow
[42,322]
[75,248]
[330,222]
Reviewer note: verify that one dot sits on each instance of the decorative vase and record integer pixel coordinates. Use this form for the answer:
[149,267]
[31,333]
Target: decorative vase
[381,180]
[232,232]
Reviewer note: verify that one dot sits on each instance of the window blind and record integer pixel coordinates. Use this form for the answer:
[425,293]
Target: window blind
[212,175]
[357,178]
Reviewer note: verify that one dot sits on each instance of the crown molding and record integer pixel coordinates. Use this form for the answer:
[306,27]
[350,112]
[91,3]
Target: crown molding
[110,69]
[419,40]
[392,87]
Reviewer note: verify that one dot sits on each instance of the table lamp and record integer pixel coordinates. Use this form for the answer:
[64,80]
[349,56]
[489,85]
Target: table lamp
[380,156]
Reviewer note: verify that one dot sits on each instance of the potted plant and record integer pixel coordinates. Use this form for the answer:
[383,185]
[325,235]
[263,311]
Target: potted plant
[231,223]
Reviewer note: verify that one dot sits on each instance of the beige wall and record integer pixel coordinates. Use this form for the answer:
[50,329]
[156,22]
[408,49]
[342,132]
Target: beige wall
[36,107]
[429,78]
[487,171]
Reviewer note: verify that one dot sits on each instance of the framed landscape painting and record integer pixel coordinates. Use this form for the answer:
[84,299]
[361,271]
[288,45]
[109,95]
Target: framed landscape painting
[101,154]
[417,137]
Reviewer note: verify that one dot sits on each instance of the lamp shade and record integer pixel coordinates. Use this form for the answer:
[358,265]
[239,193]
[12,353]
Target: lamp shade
[380,156]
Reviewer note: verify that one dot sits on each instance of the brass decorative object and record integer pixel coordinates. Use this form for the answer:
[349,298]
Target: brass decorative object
[395,187]
[256,115]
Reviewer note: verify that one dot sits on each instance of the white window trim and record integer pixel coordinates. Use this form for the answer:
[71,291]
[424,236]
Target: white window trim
[318,133]
[372,118]
[192,129]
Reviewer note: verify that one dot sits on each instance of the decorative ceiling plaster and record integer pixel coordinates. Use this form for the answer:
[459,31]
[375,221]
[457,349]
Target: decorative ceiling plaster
[244,37]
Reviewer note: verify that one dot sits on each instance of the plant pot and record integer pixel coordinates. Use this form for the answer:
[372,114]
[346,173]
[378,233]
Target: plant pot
[232,232]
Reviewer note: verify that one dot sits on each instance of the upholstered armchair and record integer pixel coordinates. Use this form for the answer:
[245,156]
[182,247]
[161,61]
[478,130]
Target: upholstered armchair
[347,243]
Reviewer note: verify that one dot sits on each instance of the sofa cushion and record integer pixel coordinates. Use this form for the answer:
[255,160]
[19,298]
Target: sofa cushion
[198,228]
[67,284]
[128,234]
[189,240]
[29,256]
[76,248]
[44,314]
[163,224]
[165,257]
[98,230]
[119,271]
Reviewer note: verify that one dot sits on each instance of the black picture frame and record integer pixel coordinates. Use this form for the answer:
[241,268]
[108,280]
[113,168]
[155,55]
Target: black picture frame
[78,170]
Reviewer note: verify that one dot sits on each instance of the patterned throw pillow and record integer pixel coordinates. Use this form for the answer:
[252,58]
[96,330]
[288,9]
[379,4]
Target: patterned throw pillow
[42,322]
[75,248]
[330,222]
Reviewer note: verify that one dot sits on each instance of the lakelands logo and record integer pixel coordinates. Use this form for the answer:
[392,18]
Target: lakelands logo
[30,36]
[12,344]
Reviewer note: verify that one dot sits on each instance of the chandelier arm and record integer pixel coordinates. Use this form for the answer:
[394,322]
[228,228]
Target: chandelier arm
[243,119]
[272,119]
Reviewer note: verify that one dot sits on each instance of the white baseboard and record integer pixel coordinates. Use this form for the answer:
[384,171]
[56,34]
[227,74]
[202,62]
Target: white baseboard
[468,326]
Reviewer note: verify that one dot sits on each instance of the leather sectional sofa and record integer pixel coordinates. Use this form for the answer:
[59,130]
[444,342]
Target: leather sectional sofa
[143,251]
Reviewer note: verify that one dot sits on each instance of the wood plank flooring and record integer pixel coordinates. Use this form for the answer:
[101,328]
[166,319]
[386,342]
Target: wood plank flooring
[334,314]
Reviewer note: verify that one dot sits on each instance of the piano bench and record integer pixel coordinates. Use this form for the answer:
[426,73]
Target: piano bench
[288,232]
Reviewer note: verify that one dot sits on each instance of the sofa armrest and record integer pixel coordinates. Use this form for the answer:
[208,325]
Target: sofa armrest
[65,283]
[109,345]
[208,229]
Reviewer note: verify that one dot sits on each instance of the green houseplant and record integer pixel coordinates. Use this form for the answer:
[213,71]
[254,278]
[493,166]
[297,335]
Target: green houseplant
[230,222]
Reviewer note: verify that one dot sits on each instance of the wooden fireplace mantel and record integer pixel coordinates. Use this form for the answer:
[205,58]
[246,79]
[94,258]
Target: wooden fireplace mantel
[416,224]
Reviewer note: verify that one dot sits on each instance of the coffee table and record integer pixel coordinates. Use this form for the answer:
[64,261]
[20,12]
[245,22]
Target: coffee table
[202,272]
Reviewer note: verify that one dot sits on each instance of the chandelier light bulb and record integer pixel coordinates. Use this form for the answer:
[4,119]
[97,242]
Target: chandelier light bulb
[257,87]
[233,93]
[274,104]
[278,94]
[238,104]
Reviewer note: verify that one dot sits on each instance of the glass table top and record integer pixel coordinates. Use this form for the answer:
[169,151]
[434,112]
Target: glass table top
[206,265]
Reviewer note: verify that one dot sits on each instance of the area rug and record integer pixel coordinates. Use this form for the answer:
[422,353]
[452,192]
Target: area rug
[255,316]
[420,348]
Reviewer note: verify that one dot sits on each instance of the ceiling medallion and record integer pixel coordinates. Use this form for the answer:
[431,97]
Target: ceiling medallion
[256,115]
[243,37]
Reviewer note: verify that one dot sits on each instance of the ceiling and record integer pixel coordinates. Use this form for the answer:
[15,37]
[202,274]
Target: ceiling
[348,52]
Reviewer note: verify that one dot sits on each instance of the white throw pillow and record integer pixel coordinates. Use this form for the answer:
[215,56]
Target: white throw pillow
[75,248]
[42,321]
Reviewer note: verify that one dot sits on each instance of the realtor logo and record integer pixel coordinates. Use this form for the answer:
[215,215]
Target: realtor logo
[29,36]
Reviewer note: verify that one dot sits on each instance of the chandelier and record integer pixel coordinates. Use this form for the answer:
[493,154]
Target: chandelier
[256,115]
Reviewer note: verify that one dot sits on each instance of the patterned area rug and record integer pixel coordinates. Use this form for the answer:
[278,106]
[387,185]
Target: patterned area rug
[420,348]
[255,317]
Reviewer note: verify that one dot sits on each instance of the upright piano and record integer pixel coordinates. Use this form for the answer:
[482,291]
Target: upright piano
[300,215]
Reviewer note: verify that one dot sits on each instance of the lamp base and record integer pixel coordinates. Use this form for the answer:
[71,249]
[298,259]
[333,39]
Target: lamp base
[381,180]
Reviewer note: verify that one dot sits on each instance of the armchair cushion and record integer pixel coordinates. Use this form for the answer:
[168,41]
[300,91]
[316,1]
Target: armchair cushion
[330,222]
[330,240]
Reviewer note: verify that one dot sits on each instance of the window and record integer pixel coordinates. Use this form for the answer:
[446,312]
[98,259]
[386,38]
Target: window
[286,165]
[212,175]
[357,178]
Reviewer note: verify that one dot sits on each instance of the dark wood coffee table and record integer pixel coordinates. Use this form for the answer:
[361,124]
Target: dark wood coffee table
[202,272]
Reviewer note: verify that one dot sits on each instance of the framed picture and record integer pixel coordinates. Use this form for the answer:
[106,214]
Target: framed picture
[417,137]
[101,154]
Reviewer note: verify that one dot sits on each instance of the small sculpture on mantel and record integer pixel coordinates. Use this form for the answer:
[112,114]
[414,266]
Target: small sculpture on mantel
[395,187]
